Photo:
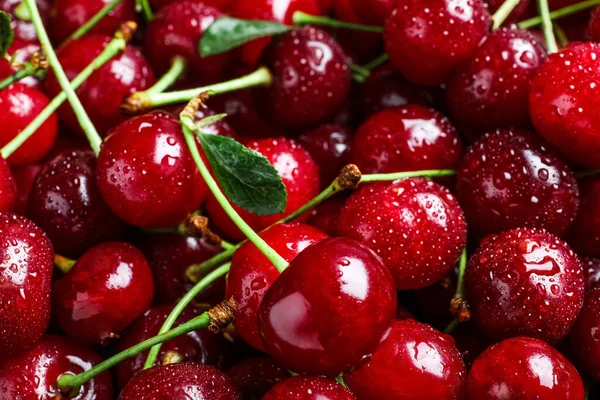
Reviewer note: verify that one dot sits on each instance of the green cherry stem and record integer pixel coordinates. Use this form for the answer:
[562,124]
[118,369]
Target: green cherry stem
[561,36]
[196,271]
[63,263]
[36,66]
[144,7]
[85,28]
[434,173]
[451,326]
[458,305]
[502,13]
[22,12]
[376,62]
[168,79]
[301,18]
[547,28]
[560,13]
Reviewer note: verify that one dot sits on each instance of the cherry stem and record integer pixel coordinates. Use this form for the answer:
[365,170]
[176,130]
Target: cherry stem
[144,6]
[28,68]
[302,18]
[503,12]
[557,14]
[168,79]
[22,12]
[561,36]
[115,46]
[433,173]
[462,266]
[547,28]
[589,172]
[196,271]
[63,263]
[371,65]
[84,120]
[451,326]
[85,28]
[340,379]
[182,304]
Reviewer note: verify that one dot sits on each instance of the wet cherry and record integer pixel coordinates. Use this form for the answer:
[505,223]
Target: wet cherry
[308,388]
[326,215]
[584,235]
[254,377]
[221,5]
[584,335]
[8,188]
[591,271]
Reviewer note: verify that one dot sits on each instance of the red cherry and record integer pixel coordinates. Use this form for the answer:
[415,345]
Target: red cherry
[328,310]
[308,388]
[517,14]
[415,225]
[359,45]
[524,282]
[25,177]
[591,271]
[8,188]
[221,5]
[525,369]
[593,28]
[511,179]
[490,89]
[21,50]
[311,79]
[326,215]
[252,274]
[25,273]
[33,374]
[124,74]
[109,286]
[414,361]
[373,12]
[180,381]
[24,29]
[299,173]
[584,235]
[254,377]
[585,334]
[146,173]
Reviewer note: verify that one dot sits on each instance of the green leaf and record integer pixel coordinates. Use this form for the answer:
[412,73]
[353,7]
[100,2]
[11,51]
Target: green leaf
[247,177]
[6,33]
[227,33]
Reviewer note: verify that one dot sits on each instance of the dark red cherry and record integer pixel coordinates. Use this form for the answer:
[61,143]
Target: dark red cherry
[311,79]
[526,369]
[593,28]
[252,274]
[124,74]
[524,282]
[326,215]
[415,225]
[23,28]
[584,235]
[329,309]
[426,40]
[254,377]
[221,5]
[373,12]
[33,374]
[308,388]
[585,335]
[146,173]
[25,177]
[591,271]
[414,361]
[359,45]
[66,203]
[187,380]
[21,50]
[109,286]
[517,14]
[329,146]
[66,16]
[490,89]
[25,274]
[562,103]
[8,188]
[299,173]
[511,179]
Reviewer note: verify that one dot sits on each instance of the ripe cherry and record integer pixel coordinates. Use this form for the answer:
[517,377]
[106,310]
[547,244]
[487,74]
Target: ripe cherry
[221,5]
[524,282]
[25,177]
[8,188]
[326,215]
[254,377]
[525,369]
[414,361]
[308,388]
[25,274]
[146,173]
[22,51]
[23,28]
[593,28]
[329,309]
[584,335]
[109,286]
[373,12]
[591,271]
[359,45]
[584,235]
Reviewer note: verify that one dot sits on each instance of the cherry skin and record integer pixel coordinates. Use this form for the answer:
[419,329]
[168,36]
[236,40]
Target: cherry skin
[22,28]
[25,278]
[125,74]
[33,374]
[187,380]
[359,45]
[511,179]
[414,361]
[8,188]
[426,40]
[66,203]
[25,177]
[299,173]
[22,50]
[308,388]
[254,377]
[524,282]
[326,215]
[328,310]
[490,89]
[584,235]
[415,225]
[221,5]
[591,271]
[311,79]
[373,12]
[252,274]
[146,173]
[109,286]
[526,369]
[584,335]
[593,28]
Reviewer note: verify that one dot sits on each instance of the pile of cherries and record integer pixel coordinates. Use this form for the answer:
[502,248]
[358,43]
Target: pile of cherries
[480,284]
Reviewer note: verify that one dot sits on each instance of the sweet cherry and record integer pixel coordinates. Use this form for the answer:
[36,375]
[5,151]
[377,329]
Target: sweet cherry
[585,334]
[25,177]
[8,188]
[359,45]
[326,215]
[584,235]
[374,12]
[221,5]
[593,28]
[308,388]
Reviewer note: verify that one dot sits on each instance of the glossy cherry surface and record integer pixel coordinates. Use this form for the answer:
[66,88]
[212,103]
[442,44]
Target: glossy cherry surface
[414,361]
[525,369]
[254,377]
[21,50]
[25,177]
[591,271]
[511,179]
[109,286]
[146,173]
[373,12]
[328,310]
[524,282]
[23,28]
[585,340]
[329,146]
[221,5]
[415,225]
[584,235]
[8,188]
[308,388]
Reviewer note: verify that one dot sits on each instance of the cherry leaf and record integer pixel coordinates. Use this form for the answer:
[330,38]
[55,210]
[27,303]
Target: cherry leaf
[6,33]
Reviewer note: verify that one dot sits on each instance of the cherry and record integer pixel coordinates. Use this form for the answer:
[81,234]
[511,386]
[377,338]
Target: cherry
[524,282]
[25,177]
[221,5]
[591,271]
[326,215]
[25,274]
[426,40]
[146,173]
[374,12]
[8,188]
[308,388]
[22,28]
[517,14]
[109,286]
[584,235]
[311,79]
[66,203]
[584,335]
[124,74]
[511,179]
[490,89]
[406,138]
[66,16]
[414,361]
[525,369]
[187,380]
[251,273]
[359,45]
[415,225]
[593,28]
[328,310]
[22,51]
[254,377]
[299,173]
